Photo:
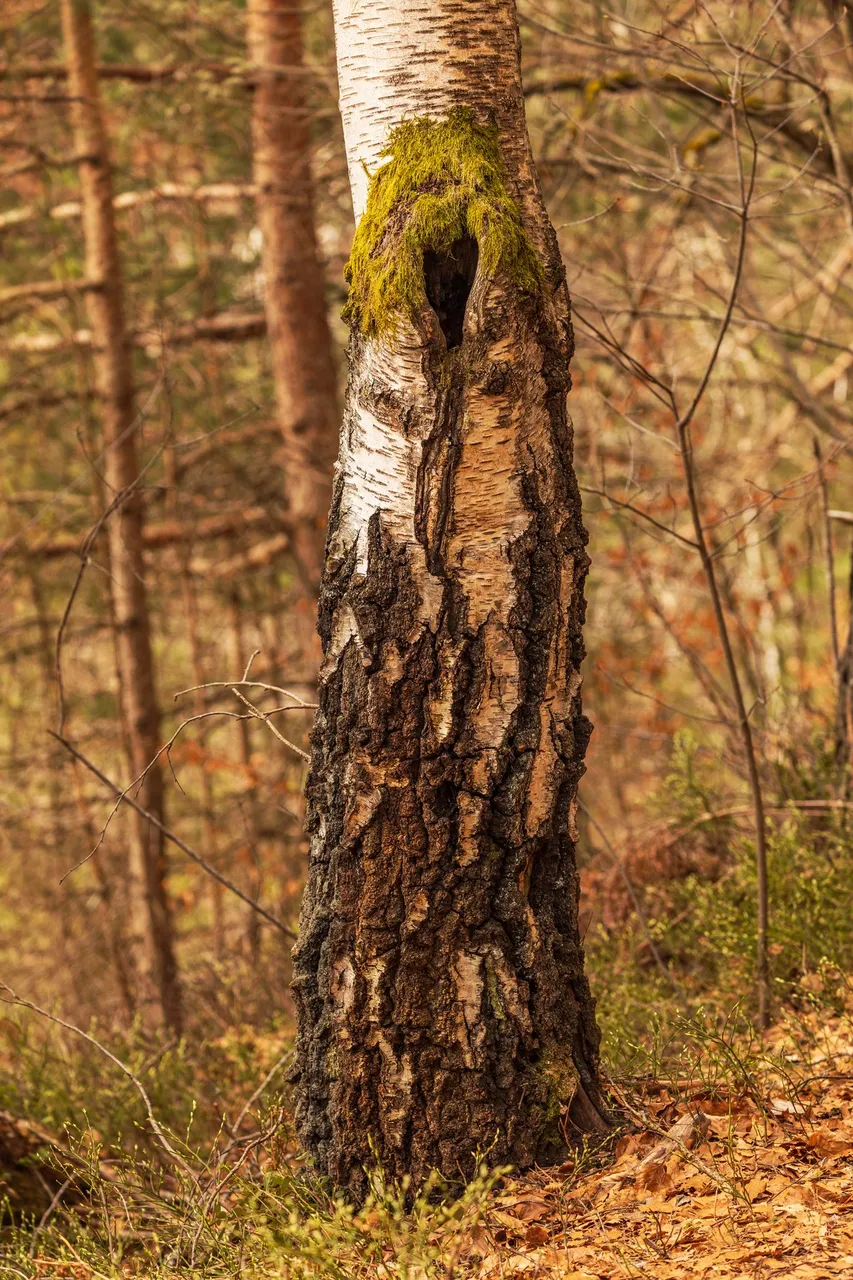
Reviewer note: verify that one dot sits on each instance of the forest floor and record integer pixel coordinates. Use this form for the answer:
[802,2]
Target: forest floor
[750,1178]
[738,1163]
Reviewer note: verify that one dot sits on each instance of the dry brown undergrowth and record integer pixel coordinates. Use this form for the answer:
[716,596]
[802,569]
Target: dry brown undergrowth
[744,1169]
[746,1186]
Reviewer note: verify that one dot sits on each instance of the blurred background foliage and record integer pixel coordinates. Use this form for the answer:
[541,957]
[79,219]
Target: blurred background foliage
[649,122]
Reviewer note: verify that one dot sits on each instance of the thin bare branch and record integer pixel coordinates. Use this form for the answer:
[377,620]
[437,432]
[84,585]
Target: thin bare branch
[170,835]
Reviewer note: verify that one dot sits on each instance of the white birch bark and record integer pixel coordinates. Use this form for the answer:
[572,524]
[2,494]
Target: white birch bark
[439,973]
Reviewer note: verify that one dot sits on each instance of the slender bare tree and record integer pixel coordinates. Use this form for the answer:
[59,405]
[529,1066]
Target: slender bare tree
[303,366]
[158,996]
[439,978]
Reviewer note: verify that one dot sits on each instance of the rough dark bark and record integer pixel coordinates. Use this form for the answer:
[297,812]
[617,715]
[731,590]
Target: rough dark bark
[439,980]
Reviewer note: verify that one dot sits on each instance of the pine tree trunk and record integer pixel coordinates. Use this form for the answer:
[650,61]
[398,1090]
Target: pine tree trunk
[205,781]
[189,601]
[439,980]
[158,996]
[294,291]
[844,698]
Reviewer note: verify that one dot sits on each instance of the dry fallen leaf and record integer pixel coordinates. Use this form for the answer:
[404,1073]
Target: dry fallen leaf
[653,1177]
[785,1107]
[774,1158]
[831,1142]
[509,1220]
[756,1187]
[531,1209]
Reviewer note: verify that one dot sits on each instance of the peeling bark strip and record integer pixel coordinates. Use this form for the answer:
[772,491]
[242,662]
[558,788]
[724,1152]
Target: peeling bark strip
[443,1008]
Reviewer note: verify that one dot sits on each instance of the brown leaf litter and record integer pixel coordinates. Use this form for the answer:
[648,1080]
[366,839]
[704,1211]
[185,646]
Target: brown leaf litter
[714,1181]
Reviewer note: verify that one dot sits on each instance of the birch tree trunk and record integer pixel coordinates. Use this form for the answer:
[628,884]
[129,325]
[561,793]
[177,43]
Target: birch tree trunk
[297,324]
[158,996]
[439,980]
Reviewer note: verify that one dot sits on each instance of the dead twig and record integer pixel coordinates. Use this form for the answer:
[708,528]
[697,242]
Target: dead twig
[683,425]
[170,835]
[617,861]
[156,1127]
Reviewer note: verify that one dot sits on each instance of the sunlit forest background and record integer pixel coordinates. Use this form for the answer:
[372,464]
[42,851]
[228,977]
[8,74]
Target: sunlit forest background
[697,162]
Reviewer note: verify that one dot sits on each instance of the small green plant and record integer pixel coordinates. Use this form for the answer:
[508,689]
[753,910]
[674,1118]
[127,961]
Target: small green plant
[443,180]
[281,1224]
[685,791]
[129,1208]
[389,1234]
[703,921]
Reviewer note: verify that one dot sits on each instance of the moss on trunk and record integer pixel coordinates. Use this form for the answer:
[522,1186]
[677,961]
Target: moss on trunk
[444,181]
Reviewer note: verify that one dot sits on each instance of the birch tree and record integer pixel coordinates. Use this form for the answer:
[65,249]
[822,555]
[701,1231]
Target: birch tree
[443,1008]
[157,992]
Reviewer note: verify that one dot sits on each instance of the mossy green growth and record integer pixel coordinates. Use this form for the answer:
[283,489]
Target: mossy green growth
[558,1074]
[493,991]
[444,179]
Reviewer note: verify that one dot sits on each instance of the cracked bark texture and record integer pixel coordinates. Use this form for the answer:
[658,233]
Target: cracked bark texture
[302,362]
[442,1003]
[157,994]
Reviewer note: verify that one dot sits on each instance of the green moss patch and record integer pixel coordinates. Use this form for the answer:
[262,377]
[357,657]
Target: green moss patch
[443,180]
[560,1074]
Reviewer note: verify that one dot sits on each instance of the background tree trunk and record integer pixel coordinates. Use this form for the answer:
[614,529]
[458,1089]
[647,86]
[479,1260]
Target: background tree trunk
[303,367]
[250,811]
[844,698]
[158,992]
[443,1008]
